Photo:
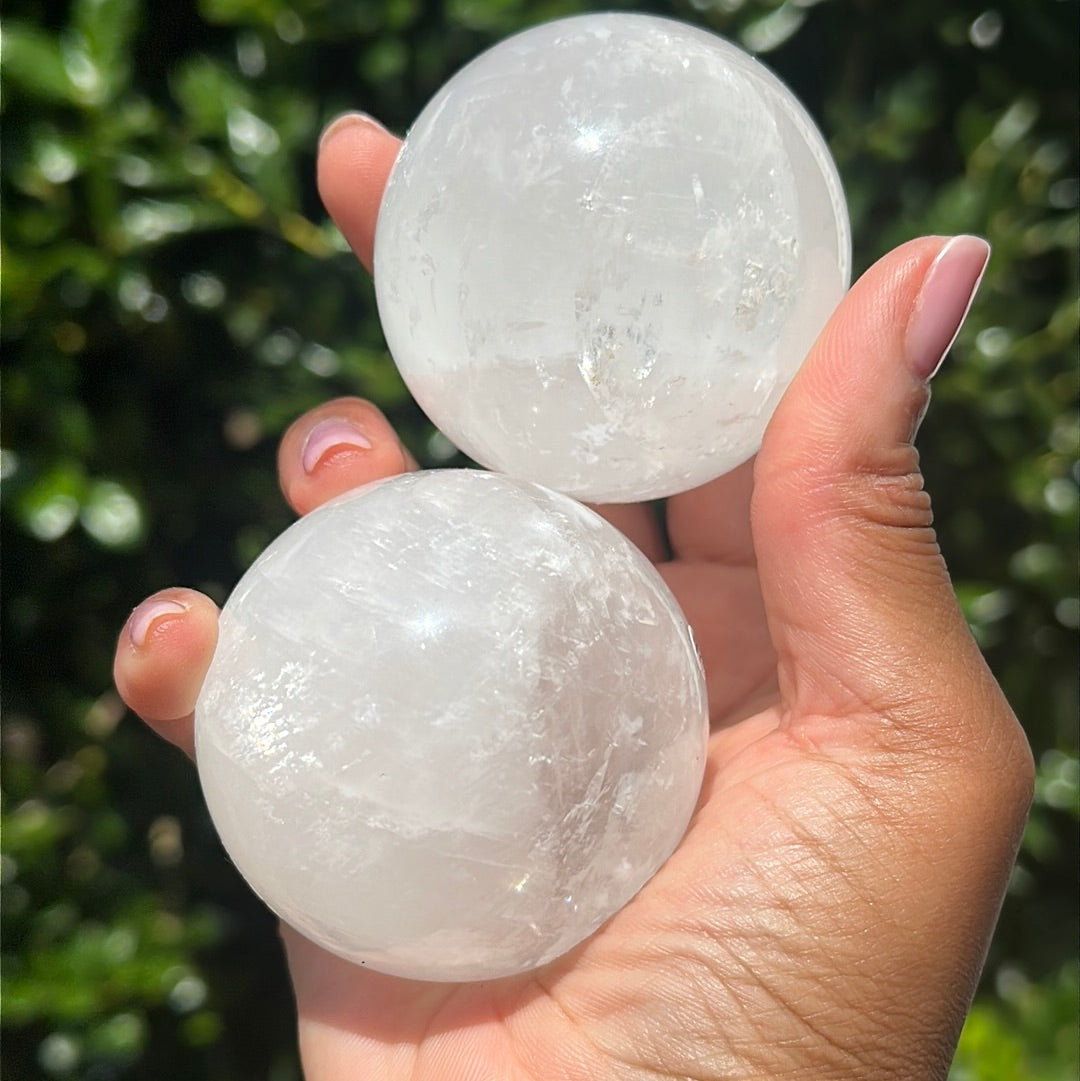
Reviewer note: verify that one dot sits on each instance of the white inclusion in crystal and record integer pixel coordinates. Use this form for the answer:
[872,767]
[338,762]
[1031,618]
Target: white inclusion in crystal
[589,141]
[562,176]
[453,723]
[425,627]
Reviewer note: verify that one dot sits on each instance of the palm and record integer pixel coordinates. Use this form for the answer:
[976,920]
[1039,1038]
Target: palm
[589,1009]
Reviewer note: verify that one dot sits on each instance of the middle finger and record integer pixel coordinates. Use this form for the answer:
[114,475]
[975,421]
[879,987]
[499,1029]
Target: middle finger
[339,445]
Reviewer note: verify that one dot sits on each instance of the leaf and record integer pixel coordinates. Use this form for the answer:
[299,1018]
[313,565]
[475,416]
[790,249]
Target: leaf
[107,28]
[34,62]
[207,91]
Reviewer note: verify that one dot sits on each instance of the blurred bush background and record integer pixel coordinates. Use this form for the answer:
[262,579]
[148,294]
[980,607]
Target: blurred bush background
[173,295]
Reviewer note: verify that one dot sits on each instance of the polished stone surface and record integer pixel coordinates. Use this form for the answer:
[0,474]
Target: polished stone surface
[605,248]
[453,723]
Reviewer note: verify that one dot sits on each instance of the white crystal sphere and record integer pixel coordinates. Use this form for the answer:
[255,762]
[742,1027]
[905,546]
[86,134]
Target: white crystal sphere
[453,723]
[605,249]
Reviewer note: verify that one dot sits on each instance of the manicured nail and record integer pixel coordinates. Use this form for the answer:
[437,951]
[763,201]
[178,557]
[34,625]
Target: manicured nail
[326,436]
[944,301]
[147,614]
[347,120]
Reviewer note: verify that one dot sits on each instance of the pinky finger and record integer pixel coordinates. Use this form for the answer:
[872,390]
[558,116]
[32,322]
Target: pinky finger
[161,659]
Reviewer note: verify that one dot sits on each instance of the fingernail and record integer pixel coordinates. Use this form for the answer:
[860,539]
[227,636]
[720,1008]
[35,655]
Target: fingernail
[147,614]
[326,436]
[347,120]
[944,301]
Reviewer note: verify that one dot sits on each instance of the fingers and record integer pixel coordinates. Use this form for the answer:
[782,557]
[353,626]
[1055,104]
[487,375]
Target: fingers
[356,155]
[167,644]
[340,445]
[858,599]
[712,523]
[161,658]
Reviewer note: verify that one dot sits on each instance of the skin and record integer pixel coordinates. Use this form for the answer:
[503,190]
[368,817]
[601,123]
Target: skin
[828,912]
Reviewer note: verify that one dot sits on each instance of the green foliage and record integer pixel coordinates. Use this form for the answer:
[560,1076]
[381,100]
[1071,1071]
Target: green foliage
[1026,1033]
[173,296]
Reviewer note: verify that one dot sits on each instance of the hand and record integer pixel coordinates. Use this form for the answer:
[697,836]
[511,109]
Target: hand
[828,911]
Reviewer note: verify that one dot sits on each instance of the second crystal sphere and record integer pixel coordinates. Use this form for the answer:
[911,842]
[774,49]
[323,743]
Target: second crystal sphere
[453,723]
[606,247]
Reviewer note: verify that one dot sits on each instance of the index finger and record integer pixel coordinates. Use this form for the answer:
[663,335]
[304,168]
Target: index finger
[356,154]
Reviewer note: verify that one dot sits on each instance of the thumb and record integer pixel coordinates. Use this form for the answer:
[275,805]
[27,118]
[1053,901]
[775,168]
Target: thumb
[858,599]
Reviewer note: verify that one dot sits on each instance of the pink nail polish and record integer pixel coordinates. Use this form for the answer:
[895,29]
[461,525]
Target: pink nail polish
[147,614]
[943,302]
[328,434]
[347,120]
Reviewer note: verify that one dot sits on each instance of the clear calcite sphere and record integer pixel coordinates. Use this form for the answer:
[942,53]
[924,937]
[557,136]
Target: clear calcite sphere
[605,248]
[454,722]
